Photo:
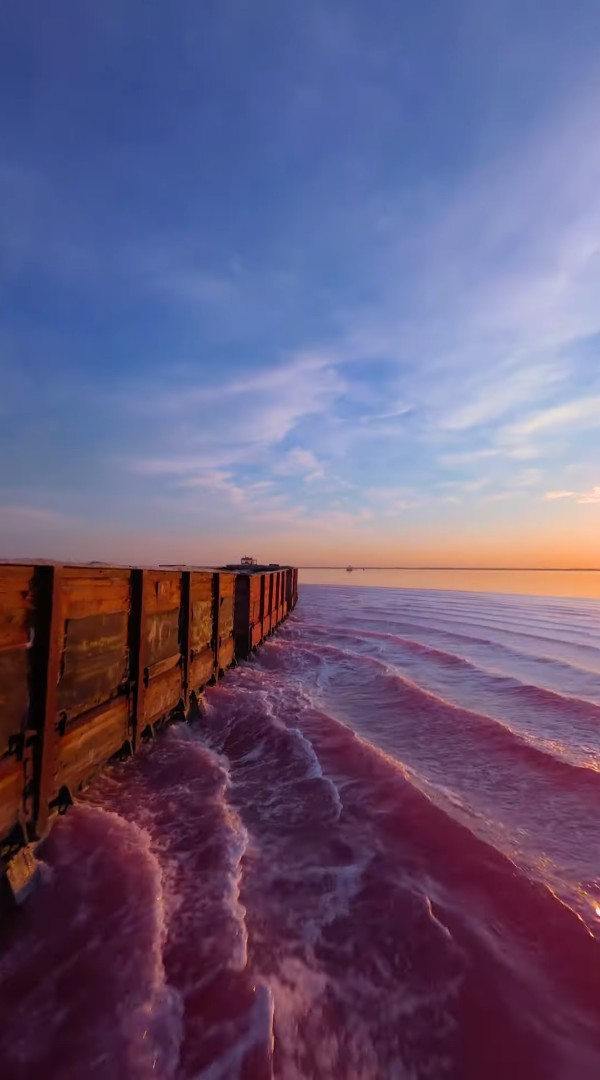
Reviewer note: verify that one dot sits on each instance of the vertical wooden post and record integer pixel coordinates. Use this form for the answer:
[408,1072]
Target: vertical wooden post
[217,620]
[186,633]
[46,656]
[137,654]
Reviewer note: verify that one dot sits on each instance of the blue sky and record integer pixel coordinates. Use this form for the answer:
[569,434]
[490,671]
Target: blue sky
[314,279]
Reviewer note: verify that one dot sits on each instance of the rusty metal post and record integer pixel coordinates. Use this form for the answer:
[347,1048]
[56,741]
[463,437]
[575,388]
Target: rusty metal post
[46,656]
[137,654]
[186,633]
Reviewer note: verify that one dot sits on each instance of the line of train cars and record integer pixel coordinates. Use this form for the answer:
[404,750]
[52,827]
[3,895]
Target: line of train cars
[94,658]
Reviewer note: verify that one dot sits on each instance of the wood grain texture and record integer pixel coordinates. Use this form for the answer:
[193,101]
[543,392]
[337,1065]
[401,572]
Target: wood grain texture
[226,653]
[202,669]
[226,616]
[11,790]
[88,745]
[94,592]
[15,605]
[161,632]
[202,627]
[202,586]
[94,663]
[162,695]
[14,695]
[163,591]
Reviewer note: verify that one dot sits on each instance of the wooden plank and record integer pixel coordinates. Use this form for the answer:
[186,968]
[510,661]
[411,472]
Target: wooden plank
[162,667]
[255,597]
[163,695]
[225,639]
[94,592]
[226,654]
[202,669]
[11,794]
[217,620]
[163,591]
[161,631]
[202,586]
[15,605]
[263,596]
[89,744]
[95,662]
[185,633]
[202,630]
[14,697]
[137,655]
[226,616]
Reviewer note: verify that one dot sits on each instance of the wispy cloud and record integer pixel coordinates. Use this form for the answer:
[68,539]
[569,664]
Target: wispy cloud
[302,462]
[581,412]
[589,497]
[584,498]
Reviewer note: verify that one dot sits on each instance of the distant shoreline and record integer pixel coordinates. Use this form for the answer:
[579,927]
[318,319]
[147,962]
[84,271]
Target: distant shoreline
[481,569]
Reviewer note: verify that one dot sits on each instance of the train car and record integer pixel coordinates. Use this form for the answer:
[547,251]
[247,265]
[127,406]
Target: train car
[93,659]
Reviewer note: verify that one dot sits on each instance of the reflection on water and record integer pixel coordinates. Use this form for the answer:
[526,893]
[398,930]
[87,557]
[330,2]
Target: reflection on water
[581,583]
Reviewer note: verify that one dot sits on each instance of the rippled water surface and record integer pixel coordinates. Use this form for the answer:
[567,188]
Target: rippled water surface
[376,854]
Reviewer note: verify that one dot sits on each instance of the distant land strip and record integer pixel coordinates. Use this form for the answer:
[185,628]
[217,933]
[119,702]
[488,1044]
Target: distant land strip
[483,569]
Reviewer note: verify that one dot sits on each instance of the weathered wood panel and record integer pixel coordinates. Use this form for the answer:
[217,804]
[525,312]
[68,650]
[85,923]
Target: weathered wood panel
[162,636]
[163,666]
[162,603]
[281,576]
[15,605]
[11,795]
[255,599]
[163,695]
[14,695]
[89,744]
[226,644]
[163,672]
[226,593]
[95,662]
[163,590]
[276,601]
[15,619]
[202,668]
[226,654]
[202,627]
[94,592]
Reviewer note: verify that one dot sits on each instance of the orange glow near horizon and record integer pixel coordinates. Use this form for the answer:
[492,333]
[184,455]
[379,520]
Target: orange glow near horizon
[579,583]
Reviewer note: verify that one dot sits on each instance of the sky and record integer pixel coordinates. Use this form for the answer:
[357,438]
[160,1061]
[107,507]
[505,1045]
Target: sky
[317,282]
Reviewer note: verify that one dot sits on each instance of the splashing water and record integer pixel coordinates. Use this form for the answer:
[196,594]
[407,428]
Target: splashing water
[374,854]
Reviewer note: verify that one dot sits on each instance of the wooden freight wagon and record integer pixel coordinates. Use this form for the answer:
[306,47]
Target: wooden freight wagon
[93,658]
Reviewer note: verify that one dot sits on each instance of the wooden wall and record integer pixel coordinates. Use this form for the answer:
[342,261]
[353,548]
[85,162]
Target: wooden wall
[93,658]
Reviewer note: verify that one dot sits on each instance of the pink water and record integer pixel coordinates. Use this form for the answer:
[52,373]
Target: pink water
[375,855]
